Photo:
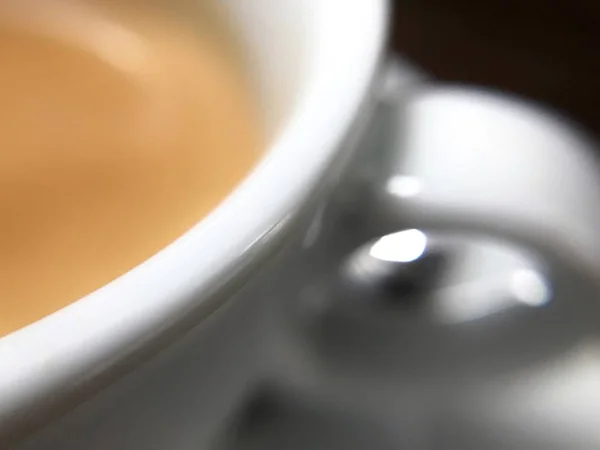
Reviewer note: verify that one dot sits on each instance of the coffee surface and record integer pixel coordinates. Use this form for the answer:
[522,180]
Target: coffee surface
[119,130]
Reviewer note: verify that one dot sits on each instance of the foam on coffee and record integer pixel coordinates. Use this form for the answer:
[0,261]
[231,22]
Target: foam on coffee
[119,130]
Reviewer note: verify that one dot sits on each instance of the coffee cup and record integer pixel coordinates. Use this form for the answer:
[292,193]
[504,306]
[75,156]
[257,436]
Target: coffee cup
[461,159]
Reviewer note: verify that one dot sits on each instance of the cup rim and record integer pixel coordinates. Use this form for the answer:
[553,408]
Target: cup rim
[84,339]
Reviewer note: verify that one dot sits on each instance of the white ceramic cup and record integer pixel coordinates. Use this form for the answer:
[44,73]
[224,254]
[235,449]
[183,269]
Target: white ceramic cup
[314,67]
[316,62]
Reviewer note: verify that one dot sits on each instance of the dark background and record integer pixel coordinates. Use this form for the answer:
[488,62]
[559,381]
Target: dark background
[547,50]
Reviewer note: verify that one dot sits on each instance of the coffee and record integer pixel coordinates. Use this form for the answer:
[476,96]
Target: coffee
[120,128]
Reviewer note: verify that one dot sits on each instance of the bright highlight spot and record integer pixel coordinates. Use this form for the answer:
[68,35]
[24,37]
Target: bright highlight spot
[404,246]
[530,288]
[404,186]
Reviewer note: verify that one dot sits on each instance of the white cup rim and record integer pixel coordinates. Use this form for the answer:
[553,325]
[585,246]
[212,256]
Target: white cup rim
[85,338]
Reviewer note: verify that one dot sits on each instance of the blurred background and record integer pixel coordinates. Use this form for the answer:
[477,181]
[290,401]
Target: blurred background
[546,50]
